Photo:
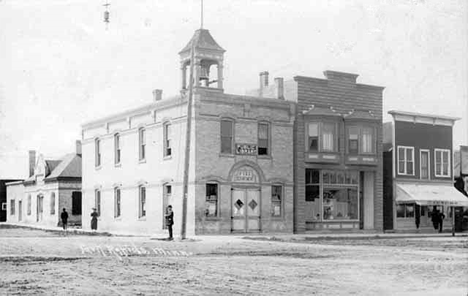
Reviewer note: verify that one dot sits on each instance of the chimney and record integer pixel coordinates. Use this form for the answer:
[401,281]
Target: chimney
[157,95]
[263,79]
[78,147]
[32,162]
[279,83]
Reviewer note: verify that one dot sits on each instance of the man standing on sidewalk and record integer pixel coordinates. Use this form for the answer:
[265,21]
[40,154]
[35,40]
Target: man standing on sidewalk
[64,217]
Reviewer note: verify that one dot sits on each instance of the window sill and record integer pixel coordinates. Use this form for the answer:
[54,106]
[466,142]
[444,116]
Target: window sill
[142,219]
[226,155]
[118,165]
[118,218]
[167,157]
[97,168]
[142,160]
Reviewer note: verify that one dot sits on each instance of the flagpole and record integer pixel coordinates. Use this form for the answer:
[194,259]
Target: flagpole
[187,144]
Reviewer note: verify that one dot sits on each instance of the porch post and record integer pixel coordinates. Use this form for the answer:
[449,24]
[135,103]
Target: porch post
[453,221]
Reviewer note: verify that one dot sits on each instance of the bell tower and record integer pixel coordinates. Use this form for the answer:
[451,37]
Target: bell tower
[208,61]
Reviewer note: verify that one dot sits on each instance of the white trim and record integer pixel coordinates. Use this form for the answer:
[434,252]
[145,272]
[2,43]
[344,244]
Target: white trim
[442,163]
[398,160]
[428,163]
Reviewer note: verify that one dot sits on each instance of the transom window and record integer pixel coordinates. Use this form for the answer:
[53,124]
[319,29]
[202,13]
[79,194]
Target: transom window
[405,160]
[227,131]
[442,162]
[321,136]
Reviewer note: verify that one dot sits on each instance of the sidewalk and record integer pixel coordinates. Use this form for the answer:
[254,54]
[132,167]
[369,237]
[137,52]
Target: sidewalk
[322,235]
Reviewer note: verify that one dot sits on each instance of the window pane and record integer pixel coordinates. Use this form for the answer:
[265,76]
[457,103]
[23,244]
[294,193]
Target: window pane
[263,131]
[424,165]
[226,128]
[409,211]
[438,157]
[312,192]
[340,204]
[401,167]
[400,211]
[276,198]
[409,154]
[409,167]
[313,129]
[367,140]
[328,136]
[313,143]
[211,200]
[226,145]
[353,146]
[401,153]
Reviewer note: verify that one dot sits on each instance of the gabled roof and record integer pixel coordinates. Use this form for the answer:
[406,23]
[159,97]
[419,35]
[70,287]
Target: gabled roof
[52,164]
[69,167]
[203,40]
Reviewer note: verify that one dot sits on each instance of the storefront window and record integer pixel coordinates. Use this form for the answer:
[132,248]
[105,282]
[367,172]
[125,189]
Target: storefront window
[405,211]
[313,194]
[211,200]
[340,204]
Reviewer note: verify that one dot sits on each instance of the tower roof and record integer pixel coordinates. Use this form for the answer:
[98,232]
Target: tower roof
[203,40]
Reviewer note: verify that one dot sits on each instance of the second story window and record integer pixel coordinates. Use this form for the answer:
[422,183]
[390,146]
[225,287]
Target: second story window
[142,143]
[313,136]
[405,160]
[442,162]
[321,136]
[97,152]
[367,140]
[226,136]
[353,140]
[328,137]
[263,139]
[117,148]
[424,163]
[167,139]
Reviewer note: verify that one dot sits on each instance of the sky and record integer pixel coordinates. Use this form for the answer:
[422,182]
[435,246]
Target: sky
[61,67]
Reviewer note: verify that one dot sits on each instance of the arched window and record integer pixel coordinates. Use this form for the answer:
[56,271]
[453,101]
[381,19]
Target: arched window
[52,203]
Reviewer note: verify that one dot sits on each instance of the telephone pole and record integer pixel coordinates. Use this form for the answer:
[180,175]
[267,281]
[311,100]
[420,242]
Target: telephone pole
[187,144]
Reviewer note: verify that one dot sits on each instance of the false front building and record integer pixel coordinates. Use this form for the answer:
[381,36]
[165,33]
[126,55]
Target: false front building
[418,171]
[240,176]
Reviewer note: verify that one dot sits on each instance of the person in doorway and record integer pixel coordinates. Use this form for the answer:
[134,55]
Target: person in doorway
[441,221]
[64,217]
[417,216]
[94,220]
[435,217]
[169,220]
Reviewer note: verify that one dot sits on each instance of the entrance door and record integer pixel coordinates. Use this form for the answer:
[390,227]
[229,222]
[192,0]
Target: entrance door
[20,210]
[245,210]
[40,208]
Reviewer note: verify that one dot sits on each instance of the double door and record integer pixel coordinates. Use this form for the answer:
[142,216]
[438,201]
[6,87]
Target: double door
[246,205]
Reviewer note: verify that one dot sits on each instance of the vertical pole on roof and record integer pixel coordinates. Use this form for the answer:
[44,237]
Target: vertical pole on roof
[187,145]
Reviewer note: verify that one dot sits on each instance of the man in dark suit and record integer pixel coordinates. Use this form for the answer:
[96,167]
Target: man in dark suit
[64,218]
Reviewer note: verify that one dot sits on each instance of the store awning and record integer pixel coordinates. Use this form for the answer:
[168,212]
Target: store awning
[430,195]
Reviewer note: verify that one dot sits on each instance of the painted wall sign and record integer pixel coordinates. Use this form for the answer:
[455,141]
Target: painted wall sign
[245,174]
[246,149]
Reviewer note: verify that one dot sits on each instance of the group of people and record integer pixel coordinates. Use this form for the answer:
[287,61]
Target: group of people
[169,216]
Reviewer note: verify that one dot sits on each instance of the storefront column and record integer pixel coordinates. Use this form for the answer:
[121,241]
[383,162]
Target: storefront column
[368,200]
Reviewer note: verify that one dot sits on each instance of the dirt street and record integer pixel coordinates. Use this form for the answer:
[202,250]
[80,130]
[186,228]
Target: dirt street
[33,262]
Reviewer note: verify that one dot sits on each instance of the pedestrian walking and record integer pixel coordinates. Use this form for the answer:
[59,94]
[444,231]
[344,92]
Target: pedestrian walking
[94,220]
[441,221]
[64,217]
[169,220]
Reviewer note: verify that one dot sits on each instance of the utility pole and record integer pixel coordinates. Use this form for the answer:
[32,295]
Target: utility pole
[187,144]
